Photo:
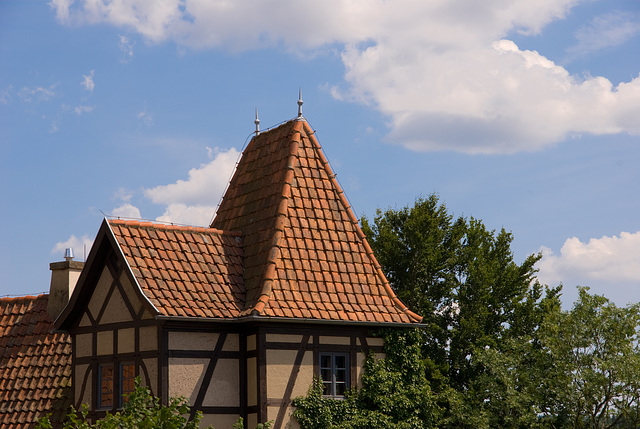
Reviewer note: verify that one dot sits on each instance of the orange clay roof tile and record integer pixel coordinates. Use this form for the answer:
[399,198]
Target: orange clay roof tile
[35,364]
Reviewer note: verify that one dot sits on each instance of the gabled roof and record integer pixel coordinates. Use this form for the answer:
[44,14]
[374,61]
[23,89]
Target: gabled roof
[305,255]
[184,271]
[35,364]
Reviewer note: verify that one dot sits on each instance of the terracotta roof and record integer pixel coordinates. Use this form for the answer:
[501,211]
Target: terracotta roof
[305,255]
[285,243]
[35,364]
[184,271]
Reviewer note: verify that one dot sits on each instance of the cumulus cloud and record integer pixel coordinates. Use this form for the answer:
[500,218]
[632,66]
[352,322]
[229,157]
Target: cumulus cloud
[600,262]
[193,201]
[605,31]
[445,74]
[75,243]
[126,210]
[87,81]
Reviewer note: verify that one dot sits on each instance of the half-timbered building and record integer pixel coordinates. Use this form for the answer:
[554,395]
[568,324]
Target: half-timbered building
[238,317]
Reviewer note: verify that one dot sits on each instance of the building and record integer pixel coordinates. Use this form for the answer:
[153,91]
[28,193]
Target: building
[238,317]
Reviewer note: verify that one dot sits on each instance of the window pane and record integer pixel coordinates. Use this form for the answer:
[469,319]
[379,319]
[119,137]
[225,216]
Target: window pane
[341,388]
[106,386]
[325,374]
[341,375]
[341,361]
[325,361]
[127,381]
[326,388]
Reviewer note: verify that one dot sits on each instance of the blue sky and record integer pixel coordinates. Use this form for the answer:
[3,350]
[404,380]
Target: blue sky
[523,114]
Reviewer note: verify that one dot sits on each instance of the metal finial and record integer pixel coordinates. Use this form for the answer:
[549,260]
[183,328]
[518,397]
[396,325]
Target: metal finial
[257,122]
[300,103]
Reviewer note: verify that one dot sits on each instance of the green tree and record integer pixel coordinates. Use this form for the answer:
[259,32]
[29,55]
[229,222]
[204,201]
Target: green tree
[596,354]
[462,278]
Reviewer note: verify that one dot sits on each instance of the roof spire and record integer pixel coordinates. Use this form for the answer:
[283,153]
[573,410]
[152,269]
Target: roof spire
[257,122]
[300,103]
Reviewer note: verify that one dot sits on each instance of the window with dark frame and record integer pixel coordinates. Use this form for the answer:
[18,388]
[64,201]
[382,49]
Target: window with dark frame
[127,381]
[334,371]
[106,384]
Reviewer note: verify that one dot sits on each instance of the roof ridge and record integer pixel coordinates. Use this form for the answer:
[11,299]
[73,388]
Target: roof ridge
[157,225]
[8,299]
[283,205]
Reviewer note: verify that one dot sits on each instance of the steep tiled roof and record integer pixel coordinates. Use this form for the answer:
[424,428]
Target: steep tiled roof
[305,255]
[184,271]
[35,364]
[285,243]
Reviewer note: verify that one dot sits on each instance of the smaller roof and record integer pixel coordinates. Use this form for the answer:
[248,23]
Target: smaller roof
[182,270]
[35,364]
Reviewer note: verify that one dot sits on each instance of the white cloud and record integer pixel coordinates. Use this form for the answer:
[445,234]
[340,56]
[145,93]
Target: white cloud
[600,263]
[126,210]
[37,94]
[194,201]
[441,71]
[75,243]
[605,31]
[79,110]
[87,81]
[126,48]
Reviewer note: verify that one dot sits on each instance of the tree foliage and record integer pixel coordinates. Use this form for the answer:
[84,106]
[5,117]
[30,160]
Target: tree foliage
[462,278]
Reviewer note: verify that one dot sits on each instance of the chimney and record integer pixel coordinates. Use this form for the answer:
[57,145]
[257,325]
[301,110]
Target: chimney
[64,276]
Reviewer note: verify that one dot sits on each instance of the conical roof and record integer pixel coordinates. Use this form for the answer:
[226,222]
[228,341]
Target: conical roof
[305,255]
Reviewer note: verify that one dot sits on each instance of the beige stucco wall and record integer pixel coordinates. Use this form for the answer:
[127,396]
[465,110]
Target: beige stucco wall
[344,341]
[85,321]
[252,420]
[130,292]
[148,338]
[220,421]
[251,342]
[105,343]
[152,369]
[84,344]
[252,382]
[100,292]
[232,343]
[279,367]
[80,372]
[185,377]
[288,422]
[116,310]
[193,340]
[224,387]
[283,338]
[374,341]
[126,340]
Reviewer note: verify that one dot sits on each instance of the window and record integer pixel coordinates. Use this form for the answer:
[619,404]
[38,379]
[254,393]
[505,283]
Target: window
[334,371]
[127,381]
[107,385]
